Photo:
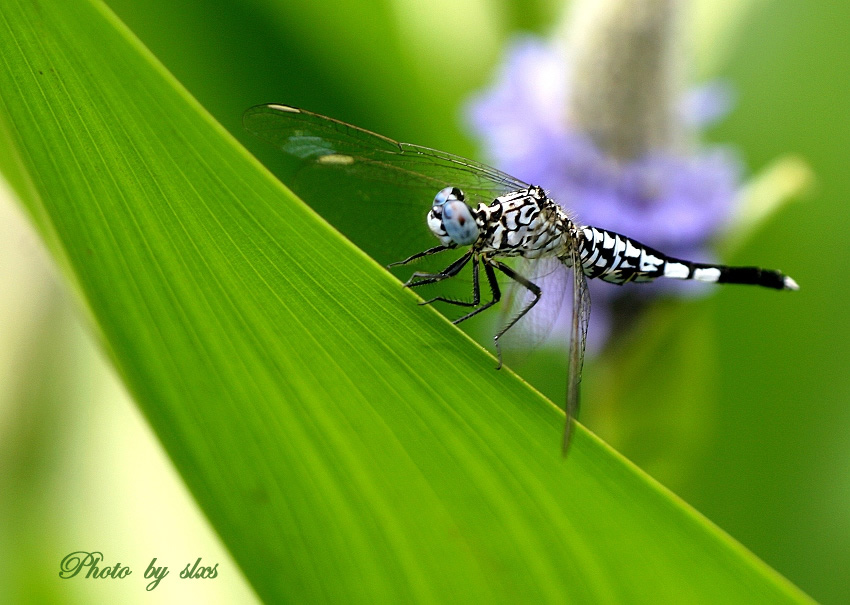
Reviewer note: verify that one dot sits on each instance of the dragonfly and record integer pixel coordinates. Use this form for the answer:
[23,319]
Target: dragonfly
[488,214]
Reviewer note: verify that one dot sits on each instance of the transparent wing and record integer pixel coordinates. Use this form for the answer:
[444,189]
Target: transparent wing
[578,340]
[375,190]
[537,326]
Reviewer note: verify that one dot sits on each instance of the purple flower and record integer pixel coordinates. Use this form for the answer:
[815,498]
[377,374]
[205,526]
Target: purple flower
[675,200]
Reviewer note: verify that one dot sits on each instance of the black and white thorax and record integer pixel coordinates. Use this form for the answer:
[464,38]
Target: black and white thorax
[522,223]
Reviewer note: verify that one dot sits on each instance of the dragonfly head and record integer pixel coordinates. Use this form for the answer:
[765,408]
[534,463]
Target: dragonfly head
[451,220]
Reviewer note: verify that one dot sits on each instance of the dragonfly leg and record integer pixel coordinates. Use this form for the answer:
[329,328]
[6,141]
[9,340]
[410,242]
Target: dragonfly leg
[530,286]
[419,255]
[476,291]
[494,290]
[496,297]
[432,278]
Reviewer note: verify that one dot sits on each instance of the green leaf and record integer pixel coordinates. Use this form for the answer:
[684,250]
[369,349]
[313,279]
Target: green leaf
[346,443]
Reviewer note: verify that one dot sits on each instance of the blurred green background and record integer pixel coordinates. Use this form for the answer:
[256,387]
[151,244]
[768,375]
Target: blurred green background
[759,445]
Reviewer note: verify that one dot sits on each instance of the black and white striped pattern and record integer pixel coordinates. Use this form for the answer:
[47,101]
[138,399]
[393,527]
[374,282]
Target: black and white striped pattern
[523,223]
[527,223]
[618,259]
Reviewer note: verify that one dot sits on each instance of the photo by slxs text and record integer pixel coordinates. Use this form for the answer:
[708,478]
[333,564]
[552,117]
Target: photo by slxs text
[88,565]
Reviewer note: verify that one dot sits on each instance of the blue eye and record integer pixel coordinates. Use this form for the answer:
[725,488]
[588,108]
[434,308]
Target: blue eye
[459,222]
[448,194]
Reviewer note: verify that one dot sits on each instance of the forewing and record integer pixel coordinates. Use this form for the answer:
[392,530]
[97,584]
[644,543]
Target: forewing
[578,340]
[373,189]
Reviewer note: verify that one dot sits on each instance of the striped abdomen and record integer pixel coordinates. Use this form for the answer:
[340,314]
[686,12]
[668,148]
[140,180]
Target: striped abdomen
[618,259]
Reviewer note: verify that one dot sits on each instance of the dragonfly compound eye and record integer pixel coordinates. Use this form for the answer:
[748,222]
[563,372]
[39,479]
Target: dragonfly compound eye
[459,223]
[451,220]
[448,194]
